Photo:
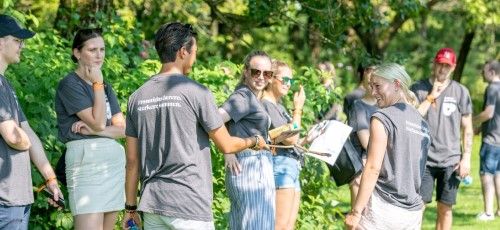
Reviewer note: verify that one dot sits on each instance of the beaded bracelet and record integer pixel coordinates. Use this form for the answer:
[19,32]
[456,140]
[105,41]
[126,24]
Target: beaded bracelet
[51,179]
[97,86]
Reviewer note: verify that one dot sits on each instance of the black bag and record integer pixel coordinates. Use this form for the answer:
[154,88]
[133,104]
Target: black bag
[61,169]
[347,166]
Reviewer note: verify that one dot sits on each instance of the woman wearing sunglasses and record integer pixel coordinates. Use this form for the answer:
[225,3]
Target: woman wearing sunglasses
[89,120]
[286,162]
[249,173]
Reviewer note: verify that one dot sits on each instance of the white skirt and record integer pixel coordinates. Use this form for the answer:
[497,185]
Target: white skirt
[379,214]
[95,173]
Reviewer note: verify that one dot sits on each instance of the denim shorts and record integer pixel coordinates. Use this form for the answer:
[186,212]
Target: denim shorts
[489,159]
[286,172]
[14,217]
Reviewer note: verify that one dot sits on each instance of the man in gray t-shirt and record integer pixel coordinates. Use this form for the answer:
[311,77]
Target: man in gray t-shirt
[489,167]
[18,142]
[447,107]
[170,119]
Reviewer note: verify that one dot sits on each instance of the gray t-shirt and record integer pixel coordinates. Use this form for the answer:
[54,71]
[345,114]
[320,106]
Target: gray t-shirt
[445,121]
[74,95]
[349,99]
[248,117]
[491,127]
[279,117]
[171,117]
[403,166]
[359,119]
[15,168]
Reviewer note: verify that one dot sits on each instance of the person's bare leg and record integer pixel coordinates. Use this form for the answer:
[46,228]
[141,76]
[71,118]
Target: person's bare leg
[444,216]
[109,220]
[497,191]
[488,187]
[89,221]
[295,211]
[284,204]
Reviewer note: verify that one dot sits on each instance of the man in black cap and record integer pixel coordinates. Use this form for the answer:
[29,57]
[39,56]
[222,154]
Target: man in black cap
[18,142]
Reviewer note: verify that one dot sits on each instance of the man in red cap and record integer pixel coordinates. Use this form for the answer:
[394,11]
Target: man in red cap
[447,107]
[18,142]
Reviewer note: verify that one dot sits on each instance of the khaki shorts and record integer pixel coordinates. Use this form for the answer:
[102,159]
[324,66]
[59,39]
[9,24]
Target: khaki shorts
[158,222]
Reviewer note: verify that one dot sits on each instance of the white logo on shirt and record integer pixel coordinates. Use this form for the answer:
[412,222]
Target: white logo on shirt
[108,108]
[159,102]
[449,105]
[417,129]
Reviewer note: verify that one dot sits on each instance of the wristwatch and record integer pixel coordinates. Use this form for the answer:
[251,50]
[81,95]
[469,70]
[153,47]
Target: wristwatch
[256,146]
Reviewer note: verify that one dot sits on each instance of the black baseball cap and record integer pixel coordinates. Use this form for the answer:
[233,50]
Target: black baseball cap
[9,26]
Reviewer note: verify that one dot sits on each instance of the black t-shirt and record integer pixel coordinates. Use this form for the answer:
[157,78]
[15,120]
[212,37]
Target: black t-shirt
[74,95]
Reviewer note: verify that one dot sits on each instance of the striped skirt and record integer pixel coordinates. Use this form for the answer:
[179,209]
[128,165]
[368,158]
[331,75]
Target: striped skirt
[252,192]
[95,173]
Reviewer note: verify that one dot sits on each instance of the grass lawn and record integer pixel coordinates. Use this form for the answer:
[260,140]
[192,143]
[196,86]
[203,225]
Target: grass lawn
[469,202]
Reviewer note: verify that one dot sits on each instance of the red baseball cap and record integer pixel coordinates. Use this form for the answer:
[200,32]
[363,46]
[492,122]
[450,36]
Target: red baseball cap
[446,55]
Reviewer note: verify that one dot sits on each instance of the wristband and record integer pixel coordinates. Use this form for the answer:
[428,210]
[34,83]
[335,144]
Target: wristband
[131,208]
[51,179]
[430,99]
[97,86]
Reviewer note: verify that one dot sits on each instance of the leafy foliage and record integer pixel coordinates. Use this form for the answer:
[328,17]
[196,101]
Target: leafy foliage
[46,60]
[301,32]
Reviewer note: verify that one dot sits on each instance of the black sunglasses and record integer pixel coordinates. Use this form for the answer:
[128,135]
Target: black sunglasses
[268,74]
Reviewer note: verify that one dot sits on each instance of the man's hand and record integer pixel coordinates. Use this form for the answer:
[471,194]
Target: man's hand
[231,163]
[463,167]
[54,188]
[437,88]
[131,215]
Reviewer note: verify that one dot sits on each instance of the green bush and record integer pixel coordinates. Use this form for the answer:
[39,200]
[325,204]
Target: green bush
[46,60]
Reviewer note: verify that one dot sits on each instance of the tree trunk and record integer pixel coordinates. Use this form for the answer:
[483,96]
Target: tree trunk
[462,56]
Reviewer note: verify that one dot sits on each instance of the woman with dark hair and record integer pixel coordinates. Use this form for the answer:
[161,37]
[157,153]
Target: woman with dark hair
[249,173]
[286,162]
[89,120]
[389,194]
[359,119]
